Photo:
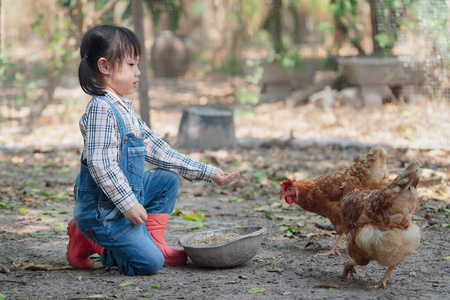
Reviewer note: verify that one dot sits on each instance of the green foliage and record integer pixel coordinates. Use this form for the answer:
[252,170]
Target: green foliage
[126,283]
[42,233]
[344,11]
[243,113]
[385,40]
[388,18]
[60,196]
[194,216]
[257,75]
[250,94]
[13,77]
[173,8]
[60,226]
[326,28]
[33,80]
[431,19]
[57,53]
[197,225]
[230,65]
[32,182]
[345,14]
[256,290]
[288,59]
[290,231]
[8,203]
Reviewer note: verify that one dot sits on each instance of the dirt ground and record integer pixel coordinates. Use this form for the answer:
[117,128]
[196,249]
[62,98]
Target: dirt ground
[38,168]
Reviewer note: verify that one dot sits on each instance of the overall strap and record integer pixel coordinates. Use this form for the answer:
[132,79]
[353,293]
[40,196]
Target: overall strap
[119,119]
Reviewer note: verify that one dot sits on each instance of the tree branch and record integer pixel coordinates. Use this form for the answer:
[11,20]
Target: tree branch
[106,9]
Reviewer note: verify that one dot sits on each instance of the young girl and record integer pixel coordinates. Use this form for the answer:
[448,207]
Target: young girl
[121,212]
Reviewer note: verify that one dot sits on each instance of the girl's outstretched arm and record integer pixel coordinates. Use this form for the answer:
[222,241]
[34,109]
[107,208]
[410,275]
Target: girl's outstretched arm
[222,178]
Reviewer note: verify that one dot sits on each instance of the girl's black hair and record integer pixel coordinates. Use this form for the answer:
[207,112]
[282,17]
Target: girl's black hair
[111,42]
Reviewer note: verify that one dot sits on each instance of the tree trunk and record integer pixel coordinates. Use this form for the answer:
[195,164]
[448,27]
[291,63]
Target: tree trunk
[137,7]
[214,25]
[374,20]
[2,26]
[272,24]
[277,27]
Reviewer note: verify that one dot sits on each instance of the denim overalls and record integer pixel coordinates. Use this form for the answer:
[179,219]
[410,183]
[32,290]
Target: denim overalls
[127,246]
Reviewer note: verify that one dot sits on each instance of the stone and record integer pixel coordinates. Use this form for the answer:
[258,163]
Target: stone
[414,94]
[350,96]
[273,92]
[324,99]
[373,94]
[206,127]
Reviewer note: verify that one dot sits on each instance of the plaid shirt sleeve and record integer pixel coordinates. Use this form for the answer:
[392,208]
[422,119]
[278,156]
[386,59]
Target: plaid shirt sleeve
[102,147]
[160,154]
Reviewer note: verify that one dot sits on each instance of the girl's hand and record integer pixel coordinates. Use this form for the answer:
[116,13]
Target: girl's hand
[222,178]
[137,214]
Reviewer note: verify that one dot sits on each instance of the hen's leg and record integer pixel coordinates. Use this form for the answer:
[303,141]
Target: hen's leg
[349,268]
[334,249]
[383,281]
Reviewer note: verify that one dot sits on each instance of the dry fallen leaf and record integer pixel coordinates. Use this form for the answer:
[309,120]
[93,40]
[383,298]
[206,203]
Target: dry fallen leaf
[97,296]
[48,266]
[279,270]
[17,262]
[234,282]
[326,286]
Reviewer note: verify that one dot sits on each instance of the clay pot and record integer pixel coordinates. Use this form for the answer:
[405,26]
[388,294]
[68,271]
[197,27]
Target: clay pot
[171,55]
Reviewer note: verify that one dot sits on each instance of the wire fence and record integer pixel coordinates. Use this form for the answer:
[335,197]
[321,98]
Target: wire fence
[391,50]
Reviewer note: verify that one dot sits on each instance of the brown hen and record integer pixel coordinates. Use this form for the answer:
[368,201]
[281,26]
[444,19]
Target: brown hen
[321,194]
[378,224]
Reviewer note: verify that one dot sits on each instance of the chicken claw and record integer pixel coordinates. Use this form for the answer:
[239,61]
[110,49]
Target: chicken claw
[349,268]
[383,281]
[377,285]
[331,252]
[334,249]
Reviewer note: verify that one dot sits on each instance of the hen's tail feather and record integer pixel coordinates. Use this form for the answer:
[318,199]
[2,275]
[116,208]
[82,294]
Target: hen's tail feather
[378,150]
[409,176]
[371,168]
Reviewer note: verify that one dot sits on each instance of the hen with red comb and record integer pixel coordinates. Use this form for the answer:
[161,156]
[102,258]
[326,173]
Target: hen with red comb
[321,194]
[285,190]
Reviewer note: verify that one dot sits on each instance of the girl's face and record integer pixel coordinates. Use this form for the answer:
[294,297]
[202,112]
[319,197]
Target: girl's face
[123,79]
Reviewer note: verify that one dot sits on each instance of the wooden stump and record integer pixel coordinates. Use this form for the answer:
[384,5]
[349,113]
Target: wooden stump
[205,127]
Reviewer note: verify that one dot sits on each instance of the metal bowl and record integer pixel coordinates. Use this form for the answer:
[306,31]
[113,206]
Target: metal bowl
[230,253]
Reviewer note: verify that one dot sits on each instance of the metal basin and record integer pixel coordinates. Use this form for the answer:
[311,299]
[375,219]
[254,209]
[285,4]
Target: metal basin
[230,253]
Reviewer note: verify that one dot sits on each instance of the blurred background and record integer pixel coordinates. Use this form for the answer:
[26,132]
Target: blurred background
[366,70]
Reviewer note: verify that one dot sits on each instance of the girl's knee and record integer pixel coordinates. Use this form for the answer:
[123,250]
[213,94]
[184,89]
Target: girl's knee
[173,178]
[165,178]
[149,267]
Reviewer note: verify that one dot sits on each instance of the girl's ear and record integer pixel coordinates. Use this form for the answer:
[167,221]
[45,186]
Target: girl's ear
[104,66]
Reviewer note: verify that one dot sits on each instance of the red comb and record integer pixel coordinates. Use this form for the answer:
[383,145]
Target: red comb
[286,182]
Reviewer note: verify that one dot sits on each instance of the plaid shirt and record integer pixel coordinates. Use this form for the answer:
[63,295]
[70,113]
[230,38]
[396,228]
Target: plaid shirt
[102,149]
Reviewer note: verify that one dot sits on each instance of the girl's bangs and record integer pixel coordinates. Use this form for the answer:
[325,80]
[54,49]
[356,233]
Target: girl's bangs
[128,45]
[132,44]
[132,49]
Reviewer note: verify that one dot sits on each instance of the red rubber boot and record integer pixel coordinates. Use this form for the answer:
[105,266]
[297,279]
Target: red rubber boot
[80,248]
[156,227]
